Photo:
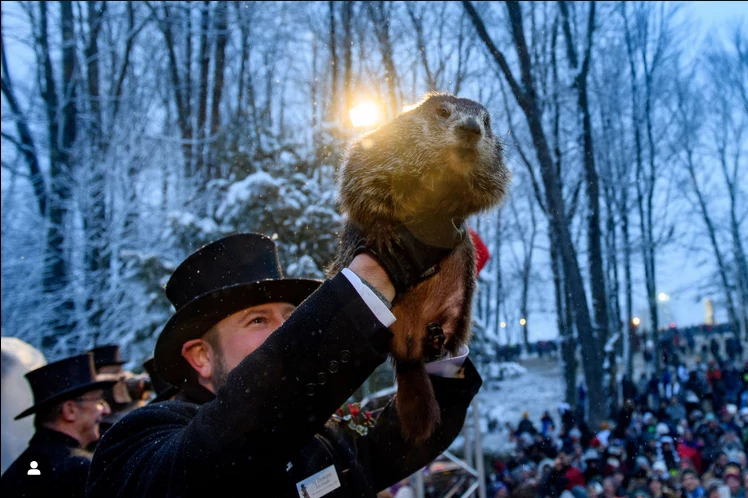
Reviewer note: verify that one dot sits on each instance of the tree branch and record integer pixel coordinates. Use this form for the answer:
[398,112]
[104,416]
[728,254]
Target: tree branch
[480,27]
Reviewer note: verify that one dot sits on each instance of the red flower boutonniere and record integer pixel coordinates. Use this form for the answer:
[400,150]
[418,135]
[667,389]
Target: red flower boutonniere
[351,417]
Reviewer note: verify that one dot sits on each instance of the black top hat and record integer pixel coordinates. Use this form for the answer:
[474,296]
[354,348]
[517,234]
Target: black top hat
[221,278]
[163,389]
[62,380]
[106,355]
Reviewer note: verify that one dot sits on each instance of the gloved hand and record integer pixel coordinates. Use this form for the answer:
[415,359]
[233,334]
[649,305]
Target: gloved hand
[418,248]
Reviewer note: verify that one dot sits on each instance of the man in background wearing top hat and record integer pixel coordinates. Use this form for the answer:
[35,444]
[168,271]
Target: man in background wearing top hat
[162,389]
[127,393]
[68,407]
[263,362]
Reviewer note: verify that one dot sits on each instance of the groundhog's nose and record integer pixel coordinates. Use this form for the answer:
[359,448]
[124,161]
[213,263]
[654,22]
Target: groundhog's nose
[470,127]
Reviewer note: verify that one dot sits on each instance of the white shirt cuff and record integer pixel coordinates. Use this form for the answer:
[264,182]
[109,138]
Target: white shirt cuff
[375,304]
[448,367]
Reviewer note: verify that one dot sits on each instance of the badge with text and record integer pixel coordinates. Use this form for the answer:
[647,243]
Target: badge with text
[319,484]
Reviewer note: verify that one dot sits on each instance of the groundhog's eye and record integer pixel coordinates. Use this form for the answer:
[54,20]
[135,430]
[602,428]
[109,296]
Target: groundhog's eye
[487,121]
[444,112]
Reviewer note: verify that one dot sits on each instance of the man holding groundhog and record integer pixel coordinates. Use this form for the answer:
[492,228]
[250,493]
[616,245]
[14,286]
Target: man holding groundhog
[263,362]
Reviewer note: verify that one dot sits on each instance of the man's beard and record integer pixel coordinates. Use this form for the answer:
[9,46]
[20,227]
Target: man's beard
[220,372]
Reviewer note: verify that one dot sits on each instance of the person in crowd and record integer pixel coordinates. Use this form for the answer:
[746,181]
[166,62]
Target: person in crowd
[691,484]
[731,477]
[659,488]
[129,390]
[547,426]
[263,362]
[526,425]
[68,409]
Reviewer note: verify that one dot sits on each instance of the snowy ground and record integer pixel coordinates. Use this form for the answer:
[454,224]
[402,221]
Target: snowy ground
[533,386]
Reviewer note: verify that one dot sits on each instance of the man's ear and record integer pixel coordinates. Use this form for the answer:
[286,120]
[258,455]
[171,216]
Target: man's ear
[69,411]
[198,354]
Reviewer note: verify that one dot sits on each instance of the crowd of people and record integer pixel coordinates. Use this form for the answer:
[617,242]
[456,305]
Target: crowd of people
[682,433]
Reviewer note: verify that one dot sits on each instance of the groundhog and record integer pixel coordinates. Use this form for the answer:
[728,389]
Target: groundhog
[438,161]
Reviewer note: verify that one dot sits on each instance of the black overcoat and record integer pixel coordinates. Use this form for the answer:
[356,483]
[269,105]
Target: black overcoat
[61,462]
[268,427]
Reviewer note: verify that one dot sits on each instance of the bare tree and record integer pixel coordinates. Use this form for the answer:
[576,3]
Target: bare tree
[526,95]
[691,117]
[379,13]
[728,132]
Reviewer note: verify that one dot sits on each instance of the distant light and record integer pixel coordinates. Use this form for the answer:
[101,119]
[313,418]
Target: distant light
[636,321]
[502,325]
[364,114]
[409,107]
[672,325]
[663,297]
[522,322]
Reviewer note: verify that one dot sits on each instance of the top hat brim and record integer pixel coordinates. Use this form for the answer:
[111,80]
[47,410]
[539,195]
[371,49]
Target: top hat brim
[196,317]
[108,364]
[65,395]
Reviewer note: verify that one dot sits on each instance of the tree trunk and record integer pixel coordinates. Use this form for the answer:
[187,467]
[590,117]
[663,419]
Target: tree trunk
[347,62]
[597,274]
[221,25]
[565,328]
[645,232]
[381,24]
[334,97]
[527,98]
[202,109]
[61,115]
[27,146]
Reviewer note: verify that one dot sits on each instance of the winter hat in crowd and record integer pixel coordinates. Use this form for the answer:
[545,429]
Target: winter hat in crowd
[544,464]
[596,487]
[659,466]
[731,471]
[709,417]
[217,280]
[666,439]
[578,492]
[590,454]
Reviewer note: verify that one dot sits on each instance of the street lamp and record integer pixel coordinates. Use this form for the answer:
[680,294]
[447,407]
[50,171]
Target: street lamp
[502,325]
[522,322]
[663,297]
[636,321]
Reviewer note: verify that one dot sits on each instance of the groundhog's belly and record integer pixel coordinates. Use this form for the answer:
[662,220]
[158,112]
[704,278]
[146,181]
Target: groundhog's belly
[440,299]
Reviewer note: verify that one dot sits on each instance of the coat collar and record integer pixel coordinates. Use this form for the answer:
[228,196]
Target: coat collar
[45,436]
[195,393]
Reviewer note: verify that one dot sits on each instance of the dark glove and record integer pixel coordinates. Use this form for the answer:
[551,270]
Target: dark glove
[417,250]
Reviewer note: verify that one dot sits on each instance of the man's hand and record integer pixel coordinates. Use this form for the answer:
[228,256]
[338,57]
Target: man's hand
[417,250]
[369,269]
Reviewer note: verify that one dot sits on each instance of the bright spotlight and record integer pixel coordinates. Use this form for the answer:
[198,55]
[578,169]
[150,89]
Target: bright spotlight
[522,322]
[663,297]
[503,325]
[636,321]
[364,115]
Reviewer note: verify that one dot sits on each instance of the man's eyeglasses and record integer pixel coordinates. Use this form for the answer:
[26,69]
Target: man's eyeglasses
[100,403]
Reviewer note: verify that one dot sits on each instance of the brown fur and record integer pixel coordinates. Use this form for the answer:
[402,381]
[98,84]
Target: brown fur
[420,165]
